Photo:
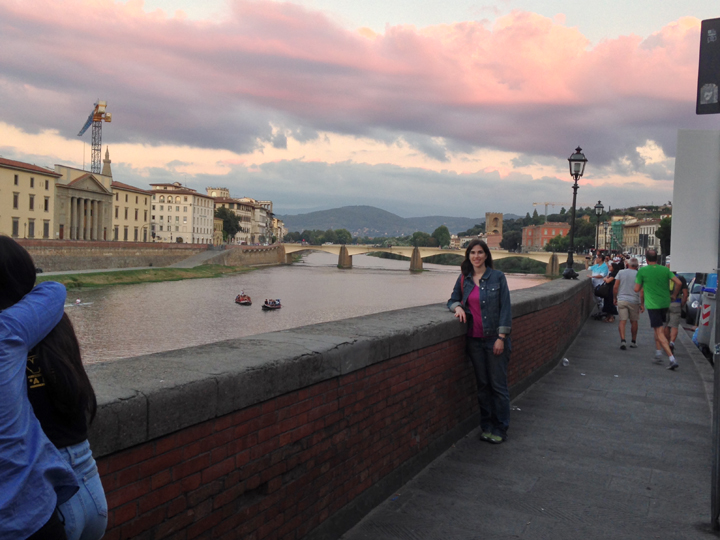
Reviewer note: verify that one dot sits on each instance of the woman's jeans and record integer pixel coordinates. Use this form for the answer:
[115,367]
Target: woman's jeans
[85,514]
[491,377]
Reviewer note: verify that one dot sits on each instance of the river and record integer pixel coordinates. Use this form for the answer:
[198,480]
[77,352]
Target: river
[124,321]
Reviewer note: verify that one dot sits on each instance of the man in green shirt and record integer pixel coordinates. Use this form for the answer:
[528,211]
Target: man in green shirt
[654,280]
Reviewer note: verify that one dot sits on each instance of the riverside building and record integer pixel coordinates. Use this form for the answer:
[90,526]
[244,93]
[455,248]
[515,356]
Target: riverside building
[83,205]
[258,224]
[180,214]
[27,200]
[536,237]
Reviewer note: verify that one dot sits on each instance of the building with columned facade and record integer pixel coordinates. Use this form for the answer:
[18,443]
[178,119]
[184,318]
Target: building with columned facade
[83,205]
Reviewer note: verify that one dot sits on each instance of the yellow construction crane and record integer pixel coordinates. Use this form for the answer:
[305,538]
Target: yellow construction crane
[96,118]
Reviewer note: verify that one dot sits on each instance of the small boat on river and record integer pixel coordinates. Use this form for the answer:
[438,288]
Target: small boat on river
[272,304]
[243,299]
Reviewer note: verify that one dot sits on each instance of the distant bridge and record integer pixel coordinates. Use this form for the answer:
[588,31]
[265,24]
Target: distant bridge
[416,254]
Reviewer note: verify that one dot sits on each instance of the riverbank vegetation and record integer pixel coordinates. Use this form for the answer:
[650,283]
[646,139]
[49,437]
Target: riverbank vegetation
[150,275]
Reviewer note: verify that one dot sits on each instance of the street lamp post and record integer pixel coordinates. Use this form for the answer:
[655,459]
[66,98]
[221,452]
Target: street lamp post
[577,167]
[605,226]
[598,212]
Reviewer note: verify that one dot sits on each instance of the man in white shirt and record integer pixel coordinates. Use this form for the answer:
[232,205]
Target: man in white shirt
[628,302]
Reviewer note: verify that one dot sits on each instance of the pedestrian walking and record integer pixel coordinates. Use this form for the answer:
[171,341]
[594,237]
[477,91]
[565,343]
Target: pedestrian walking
[482,299]
[654,281]
[628,302]
[675,311]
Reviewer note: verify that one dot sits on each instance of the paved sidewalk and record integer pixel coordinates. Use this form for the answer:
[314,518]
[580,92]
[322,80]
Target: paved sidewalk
[612,446]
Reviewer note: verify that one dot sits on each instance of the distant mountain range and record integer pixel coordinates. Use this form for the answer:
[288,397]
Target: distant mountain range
[373,222]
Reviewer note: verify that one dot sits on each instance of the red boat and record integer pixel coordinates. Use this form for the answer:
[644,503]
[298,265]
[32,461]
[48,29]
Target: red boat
[272,304]
[243,299]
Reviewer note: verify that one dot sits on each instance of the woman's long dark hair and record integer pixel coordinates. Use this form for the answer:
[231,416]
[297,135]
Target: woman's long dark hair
[58,355]
[466,267]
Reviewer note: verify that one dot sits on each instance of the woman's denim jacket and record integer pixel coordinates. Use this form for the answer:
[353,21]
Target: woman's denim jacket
[494,301]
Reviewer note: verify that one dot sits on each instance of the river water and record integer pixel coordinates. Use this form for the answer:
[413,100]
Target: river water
[124,321]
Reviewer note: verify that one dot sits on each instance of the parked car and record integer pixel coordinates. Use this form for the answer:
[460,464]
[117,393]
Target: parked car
[694,302]
[688,277]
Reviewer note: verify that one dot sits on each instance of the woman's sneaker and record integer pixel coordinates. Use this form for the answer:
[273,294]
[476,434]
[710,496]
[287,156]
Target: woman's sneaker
[486,436]
[496,439]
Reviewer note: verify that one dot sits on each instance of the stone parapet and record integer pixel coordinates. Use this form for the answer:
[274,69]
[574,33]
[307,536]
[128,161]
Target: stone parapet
[299,433]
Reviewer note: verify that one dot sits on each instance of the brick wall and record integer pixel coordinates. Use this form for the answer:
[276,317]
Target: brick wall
[304,441]
[59,255]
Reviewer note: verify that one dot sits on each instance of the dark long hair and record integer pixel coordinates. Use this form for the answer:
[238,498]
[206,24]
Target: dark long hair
[466,267]
[58,354]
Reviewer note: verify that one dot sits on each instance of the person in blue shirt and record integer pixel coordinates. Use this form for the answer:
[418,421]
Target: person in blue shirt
[598,272]
[482,299]
[63,401]
[35,477]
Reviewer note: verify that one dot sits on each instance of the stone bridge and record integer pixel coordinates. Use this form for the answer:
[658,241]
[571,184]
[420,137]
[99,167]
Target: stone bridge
[416,254]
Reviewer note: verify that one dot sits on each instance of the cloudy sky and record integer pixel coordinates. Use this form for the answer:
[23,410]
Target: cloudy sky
[418,107]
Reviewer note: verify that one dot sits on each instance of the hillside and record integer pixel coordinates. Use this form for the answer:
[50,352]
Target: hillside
[371,221]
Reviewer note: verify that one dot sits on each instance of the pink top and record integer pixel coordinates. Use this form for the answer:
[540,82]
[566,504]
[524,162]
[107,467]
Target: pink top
[473,301]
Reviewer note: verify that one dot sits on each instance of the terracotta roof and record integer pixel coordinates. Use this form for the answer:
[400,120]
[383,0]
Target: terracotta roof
[27,167]
[127,187]
[178,191]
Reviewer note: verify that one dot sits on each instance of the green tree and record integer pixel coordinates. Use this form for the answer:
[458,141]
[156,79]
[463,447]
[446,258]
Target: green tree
[558,244]
[421,239]
[309,236]
[329,236]
[292,237]
[231,223]
[527,220]
[343,236]
[511,240]
[536,219]
[663,233]
[442,236]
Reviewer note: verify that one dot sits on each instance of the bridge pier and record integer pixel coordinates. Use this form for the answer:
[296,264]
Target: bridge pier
[553,266]
[344,258]
[416,264]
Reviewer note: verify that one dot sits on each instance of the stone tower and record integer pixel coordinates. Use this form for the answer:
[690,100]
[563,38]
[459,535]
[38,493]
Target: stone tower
[493,223]
[106,171]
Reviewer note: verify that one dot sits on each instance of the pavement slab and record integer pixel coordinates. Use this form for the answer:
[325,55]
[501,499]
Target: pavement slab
[612,446]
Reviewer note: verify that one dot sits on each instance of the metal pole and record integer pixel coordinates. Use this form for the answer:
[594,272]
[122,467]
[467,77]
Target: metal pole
[569,273]
[597,234]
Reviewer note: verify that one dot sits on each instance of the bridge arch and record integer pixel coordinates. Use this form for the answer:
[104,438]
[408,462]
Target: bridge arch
[415,254]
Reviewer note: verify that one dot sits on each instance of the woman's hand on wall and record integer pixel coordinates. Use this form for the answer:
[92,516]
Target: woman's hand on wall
[460,313]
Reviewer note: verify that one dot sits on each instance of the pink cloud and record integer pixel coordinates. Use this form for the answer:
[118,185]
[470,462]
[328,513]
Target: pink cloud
[528,83]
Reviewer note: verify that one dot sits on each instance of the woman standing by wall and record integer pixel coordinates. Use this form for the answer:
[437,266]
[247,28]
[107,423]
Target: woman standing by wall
[482,299]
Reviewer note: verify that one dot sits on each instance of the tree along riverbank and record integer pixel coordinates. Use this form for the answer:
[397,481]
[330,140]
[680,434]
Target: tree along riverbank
[149,275]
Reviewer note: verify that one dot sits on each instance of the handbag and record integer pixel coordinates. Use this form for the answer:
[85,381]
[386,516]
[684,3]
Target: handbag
[603,289]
